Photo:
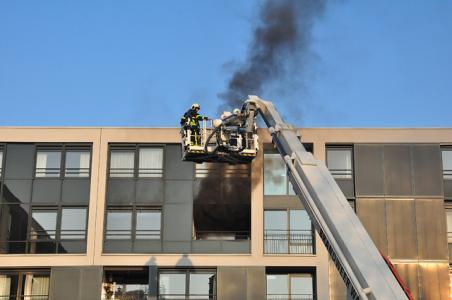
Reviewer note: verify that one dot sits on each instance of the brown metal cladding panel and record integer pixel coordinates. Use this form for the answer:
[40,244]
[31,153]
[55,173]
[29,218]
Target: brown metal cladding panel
[400,215]
[397,170]
[369,170]
[337,286]
[410,276]
[255,283]
[231,283]
[434,281]
[427,170]
[372,213]
[431,229]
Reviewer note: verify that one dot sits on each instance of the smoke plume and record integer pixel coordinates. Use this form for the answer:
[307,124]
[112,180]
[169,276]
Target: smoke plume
[281,38]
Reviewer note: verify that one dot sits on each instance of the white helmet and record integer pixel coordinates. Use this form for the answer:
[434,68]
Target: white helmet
[195,105]
[236,111]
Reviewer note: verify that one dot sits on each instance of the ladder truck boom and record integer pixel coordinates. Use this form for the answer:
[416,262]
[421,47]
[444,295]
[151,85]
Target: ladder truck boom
[360,264]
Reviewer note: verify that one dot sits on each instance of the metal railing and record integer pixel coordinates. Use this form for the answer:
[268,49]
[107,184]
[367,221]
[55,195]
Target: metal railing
[447,174]
[290,297]
[342,173]
[189,296]
[288,242]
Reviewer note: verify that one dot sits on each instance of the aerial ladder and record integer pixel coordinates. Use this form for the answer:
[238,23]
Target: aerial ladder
[366,274]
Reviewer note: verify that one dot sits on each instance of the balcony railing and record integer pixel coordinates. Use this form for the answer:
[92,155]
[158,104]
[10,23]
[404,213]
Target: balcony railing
[288,242]
[290,297]
[221,235]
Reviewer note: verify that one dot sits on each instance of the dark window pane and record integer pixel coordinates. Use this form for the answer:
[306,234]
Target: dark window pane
[48,163]
[148,224]
[43,224]
[126,284]
[119,224]
[77,163]
[122,163]
[13,227]
[73,223]
[150,162]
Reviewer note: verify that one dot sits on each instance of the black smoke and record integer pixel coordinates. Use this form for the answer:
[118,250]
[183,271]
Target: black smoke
[281,38]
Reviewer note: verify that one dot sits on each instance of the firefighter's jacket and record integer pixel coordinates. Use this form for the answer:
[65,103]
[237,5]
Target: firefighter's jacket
[192,118]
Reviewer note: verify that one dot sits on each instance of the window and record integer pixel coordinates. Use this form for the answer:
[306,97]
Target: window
[77,163]
[288,232]
[339,160]
[447,162]
[136,161]
[290,286]
[74,158]
[133,223]
[24,285]
[1,162]
[275,176]
[187,284]
[48,163]
[126,284]
[449,225]
[57,229]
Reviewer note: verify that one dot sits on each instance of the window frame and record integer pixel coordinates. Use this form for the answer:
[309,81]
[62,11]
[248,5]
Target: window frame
[292,274]
[63,148]
[187,272]
[133,209]
[21,273]
[288,230]
[341,147]
[2,162]
[57,240]
[447,173]
[135,148]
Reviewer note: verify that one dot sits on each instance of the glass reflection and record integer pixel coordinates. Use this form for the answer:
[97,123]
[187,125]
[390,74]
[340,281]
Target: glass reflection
[77,163]
[73,223]
[119,224]
[48,163]
[148,225]
[43,224]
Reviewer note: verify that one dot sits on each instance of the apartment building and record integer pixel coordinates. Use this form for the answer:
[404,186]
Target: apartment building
[114,213]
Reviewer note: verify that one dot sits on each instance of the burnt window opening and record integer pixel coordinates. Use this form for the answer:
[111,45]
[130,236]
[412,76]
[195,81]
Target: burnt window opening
[126,284]
[222,202]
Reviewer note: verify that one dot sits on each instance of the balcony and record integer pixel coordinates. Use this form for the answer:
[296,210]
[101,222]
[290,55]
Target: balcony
[288,242]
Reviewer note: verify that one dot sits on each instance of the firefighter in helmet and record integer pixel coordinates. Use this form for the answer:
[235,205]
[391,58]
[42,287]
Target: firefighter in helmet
[190,120]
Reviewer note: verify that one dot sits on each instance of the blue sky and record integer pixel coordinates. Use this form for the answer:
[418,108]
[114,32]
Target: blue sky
[142,63]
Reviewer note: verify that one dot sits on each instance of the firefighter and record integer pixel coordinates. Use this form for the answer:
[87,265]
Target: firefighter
[190,120]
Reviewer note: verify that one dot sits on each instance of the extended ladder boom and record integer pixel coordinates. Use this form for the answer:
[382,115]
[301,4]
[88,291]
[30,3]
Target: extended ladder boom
[358,261]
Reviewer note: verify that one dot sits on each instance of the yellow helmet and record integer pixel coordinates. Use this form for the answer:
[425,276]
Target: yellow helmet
[195,105]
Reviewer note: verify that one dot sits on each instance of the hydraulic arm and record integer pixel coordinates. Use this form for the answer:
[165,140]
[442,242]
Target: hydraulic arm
[364,271]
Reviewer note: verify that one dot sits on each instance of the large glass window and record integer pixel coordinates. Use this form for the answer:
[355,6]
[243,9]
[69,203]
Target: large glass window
[58,229]
[339,160]
[136,161]
[290,286]
[1,162]
[187,284]
[133,223]
[77,163]
[449,225]
[275,176]
[288,232]
[48,163]
[75,160]
[24,285]
[447,162]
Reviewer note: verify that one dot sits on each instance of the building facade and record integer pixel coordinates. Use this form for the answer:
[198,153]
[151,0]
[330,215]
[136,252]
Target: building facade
[113,213]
